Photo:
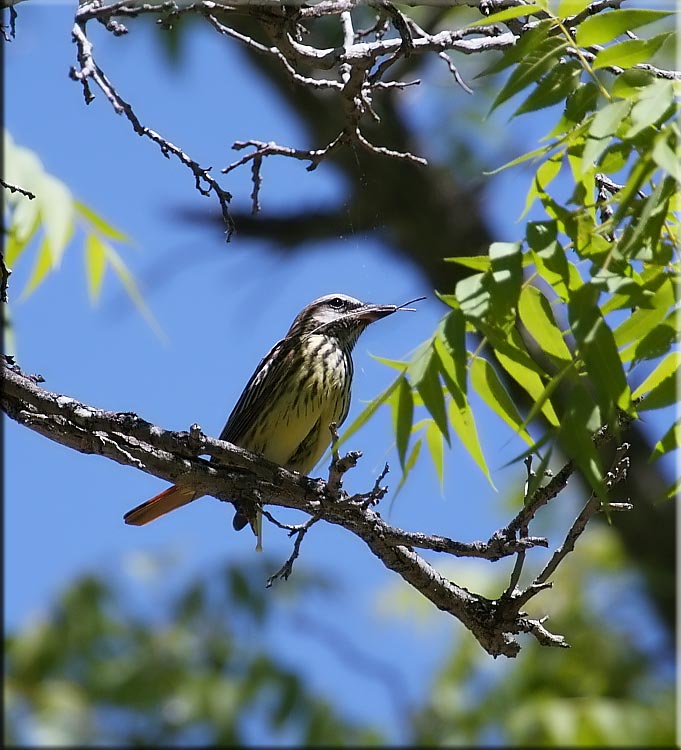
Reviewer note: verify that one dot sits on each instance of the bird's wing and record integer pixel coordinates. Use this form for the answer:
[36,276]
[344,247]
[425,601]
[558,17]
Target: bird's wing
[259,389]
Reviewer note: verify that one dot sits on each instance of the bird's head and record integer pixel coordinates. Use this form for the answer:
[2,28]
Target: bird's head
[340,316]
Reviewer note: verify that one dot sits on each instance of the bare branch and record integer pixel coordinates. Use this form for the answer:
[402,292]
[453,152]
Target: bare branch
[17,189]
[89,70]
[353,71]
[287,568]
[593,505]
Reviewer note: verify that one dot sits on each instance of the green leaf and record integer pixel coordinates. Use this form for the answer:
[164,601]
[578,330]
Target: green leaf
[42,265]
[536,62]
[597,348]
[547,393]
[426,379]
[100,224]
[519,51]
[645,319]
[655,100]
[604,27]
[369,410]
[403,418]
[408,466]
[95,265]
[476,262]
[641,172]
[473,295]
[492,391]
[578,425]
[550,258]
[656,343]
[507,278]
[463,423]
[642,235]
[507,14]
[436,449]
[630,52]
[57,211]
[20,234]
[568,8]
[545,174]
[631,82]
[608,119]
[582,101]
[665,157]
[450,344]
[522,159]
[555,86]
[659,388]
[515,359]
[669,442]
[536,315]
[395,364]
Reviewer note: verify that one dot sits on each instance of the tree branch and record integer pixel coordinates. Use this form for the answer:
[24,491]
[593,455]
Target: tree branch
[353,70]
[178,457]
[89,70]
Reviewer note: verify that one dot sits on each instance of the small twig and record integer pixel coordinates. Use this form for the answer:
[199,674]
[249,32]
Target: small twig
[377,493]
[383,151]
[89,70]
[12,25]
[291,528]
[339,465]
[262,150]
[523,532]
[5,273]
[287,568]
[405,49]
[257,182]
[454,71]
[593,505]
[16,189]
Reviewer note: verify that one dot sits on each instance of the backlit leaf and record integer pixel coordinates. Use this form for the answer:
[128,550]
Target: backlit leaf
[436,449]
[533,65]
[669,442]
[430,389]
[369,410]
[604,27]
[597,348]
[630,52]
[42,265]
[404,415]
[95,265]
[464,425]
[554,87]
[659,388]
[489,387]
[536,314]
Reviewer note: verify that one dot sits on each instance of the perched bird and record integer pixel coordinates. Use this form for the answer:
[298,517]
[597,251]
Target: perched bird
[300,387]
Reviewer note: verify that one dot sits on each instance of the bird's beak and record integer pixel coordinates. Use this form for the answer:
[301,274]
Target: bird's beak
[375,312]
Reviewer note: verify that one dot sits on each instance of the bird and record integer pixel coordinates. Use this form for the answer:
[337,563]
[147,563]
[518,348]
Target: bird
[301,386]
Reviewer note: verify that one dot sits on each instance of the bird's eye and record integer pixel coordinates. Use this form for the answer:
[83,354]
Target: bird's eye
[336,302]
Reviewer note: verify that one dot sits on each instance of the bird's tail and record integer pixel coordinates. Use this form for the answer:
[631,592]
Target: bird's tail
[170,499]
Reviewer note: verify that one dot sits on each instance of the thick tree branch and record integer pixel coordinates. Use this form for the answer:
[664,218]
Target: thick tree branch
[178,456]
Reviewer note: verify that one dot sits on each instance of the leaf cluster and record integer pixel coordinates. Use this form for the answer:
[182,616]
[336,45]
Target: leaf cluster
[96,672]
[583,305]
[45,227]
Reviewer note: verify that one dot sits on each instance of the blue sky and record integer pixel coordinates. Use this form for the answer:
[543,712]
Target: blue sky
[221,308]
